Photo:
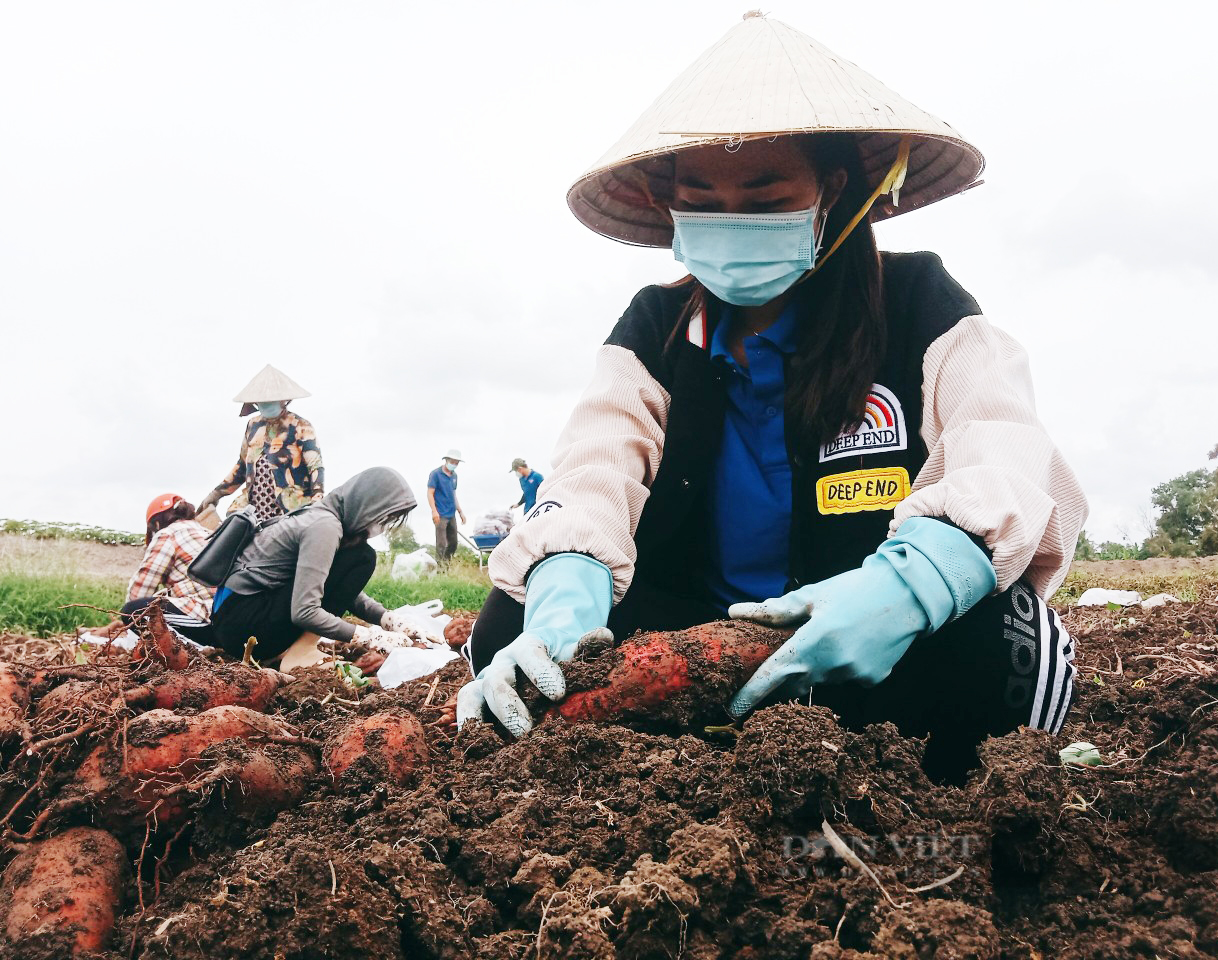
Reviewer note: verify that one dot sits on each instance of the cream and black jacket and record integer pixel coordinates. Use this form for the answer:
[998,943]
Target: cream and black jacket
[950,432]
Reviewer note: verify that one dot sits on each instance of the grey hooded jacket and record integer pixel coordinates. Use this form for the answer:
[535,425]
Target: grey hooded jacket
[299,549]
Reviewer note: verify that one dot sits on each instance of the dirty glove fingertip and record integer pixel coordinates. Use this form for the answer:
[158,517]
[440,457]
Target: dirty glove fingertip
[743,611]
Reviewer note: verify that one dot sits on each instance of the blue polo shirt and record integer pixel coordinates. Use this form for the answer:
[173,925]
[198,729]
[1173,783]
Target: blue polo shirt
[445,486]
[750,508]
[528,488]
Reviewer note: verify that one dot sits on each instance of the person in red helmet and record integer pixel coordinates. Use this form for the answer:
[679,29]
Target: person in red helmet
[173,539]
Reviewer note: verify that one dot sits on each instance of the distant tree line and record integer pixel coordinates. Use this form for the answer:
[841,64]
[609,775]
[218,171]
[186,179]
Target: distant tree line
[1186,524]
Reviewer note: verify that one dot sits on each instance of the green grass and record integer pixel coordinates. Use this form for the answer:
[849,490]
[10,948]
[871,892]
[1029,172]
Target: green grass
[36,589]
[49,530]
[462,587]
[457,593]
[32,605]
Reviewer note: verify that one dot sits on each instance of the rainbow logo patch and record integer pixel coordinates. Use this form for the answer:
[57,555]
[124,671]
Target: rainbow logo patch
[882,429]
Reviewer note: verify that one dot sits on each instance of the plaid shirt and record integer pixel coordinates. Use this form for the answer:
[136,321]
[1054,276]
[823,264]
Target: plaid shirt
[163,569]
[290,445]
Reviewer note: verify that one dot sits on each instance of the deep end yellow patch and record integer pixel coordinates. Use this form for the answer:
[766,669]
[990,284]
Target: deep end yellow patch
[859,490]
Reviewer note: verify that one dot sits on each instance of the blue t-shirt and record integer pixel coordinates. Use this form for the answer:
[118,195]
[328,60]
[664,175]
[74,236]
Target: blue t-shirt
[445,486]
[751,489]
[528,487]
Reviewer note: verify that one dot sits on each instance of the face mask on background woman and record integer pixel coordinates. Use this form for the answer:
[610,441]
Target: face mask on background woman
[269,411]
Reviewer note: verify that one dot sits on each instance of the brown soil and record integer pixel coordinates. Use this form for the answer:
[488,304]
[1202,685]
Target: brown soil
[1153,567]
[601,841]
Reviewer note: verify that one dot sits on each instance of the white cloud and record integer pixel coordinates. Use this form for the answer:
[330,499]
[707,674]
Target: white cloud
[371,196]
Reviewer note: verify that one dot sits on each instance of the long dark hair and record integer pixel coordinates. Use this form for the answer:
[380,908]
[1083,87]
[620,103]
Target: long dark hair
[843,332]
[159,521]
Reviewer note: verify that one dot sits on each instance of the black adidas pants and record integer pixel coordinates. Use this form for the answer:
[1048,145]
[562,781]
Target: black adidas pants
[190,627]
[1008,662]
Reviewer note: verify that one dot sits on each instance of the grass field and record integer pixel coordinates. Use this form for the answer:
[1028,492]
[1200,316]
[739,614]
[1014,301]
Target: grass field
[42,577]
[1186,578]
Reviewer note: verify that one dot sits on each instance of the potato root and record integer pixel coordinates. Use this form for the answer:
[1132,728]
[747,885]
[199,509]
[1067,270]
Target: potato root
[392,740]
[166,760]
[159,643]
[678,676]
[71,884]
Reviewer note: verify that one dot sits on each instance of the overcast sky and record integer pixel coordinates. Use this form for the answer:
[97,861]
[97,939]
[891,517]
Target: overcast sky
[371,196]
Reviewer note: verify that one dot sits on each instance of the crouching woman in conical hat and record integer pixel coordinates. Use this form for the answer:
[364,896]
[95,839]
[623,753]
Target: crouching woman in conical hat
[803,432]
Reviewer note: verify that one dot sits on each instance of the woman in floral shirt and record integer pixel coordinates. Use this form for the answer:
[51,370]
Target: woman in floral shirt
[279,463]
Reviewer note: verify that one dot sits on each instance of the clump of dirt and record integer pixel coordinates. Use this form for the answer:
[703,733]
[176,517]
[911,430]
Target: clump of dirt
[594,840]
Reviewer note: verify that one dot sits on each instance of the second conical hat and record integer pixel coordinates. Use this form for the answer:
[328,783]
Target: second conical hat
[766,79]
[270,384]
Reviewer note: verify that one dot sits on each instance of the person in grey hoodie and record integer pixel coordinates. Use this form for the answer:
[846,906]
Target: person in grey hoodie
[304,570]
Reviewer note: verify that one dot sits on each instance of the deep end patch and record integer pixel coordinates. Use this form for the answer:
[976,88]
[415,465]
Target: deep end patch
[879,489]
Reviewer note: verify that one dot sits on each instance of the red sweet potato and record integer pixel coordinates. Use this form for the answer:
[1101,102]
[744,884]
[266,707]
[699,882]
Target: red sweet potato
[457,631]
[207,685]
[371,662]
[71,885]
[392,740]
[168,759]
[70,697]
[14,701]
[679,676]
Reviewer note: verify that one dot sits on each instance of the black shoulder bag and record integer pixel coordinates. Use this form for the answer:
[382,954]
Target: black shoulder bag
[214,564]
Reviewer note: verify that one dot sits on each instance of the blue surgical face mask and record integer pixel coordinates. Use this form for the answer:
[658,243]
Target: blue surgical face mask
[747,259]
[269,411]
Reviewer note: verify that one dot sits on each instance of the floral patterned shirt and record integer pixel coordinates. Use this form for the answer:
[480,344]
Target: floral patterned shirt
[289,445]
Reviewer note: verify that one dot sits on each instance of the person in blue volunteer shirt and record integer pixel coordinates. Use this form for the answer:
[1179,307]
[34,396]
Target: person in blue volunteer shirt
[445,507]
[803,432]
[530,480]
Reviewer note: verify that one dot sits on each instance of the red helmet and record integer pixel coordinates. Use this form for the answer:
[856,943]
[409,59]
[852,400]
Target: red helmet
[166,501]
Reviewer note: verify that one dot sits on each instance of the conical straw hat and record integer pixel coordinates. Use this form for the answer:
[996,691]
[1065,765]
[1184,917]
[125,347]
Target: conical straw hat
[761,80]
[268,385]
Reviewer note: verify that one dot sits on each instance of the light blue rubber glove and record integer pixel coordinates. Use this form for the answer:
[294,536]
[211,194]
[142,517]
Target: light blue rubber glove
[857,625]
[567,596]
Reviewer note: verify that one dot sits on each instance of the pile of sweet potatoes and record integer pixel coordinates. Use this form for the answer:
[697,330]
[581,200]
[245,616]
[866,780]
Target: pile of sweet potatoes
[108,761]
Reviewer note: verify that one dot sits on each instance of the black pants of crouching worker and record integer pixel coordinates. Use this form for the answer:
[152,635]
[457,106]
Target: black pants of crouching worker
[268,615]
[1007,662]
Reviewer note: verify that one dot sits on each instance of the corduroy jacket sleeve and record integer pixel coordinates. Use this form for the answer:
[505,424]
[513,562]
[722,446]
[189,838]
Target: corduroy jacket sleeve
[604,464]
[992,469]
